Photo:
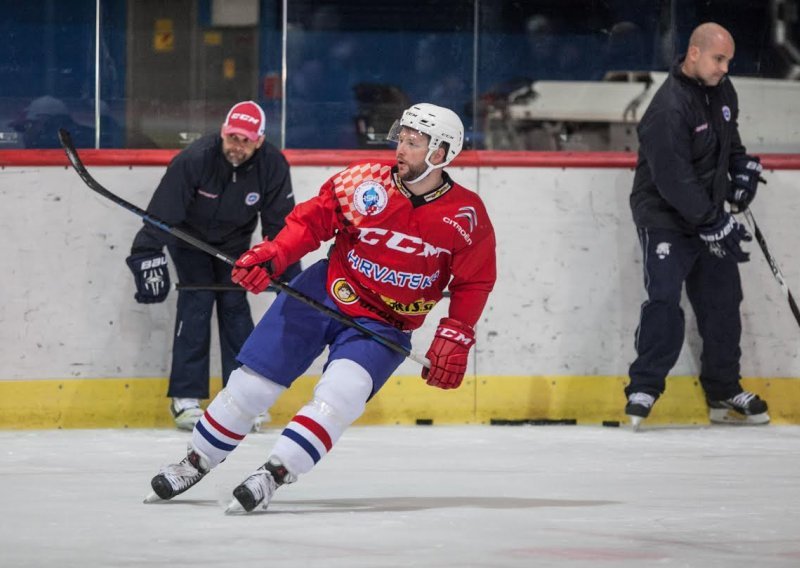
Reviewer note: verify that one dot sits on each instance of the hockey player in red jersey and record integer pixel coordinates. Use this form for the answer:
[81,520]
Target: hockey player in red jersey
[402,233]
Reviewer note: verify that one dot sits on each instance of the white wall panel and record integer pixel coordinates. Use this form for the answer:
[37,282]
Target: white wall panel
[566,301]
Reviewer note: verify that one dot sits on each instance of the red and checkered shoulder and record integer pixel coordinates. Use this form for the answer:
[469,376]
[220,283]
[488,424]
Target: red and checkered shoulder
[346,182]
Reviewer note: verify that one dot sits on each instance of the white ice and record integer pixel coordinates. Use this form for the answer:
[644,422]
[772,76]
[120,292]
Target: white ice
[468,496]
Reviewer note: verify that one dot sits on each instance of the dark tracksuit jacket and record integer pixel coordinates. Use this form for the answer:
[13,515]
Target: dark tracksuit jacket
[686,139]
[202,194]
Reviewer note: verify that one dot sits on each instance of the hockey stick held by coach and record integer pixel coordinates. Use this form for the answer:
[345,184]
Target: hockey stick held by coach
[402,233]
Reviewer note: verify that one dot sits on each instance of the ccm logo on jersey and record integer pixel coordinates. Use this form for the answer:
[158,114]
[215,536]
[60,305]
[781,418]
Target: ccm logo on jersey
[153,263]
[455,335]
[400,242]
[471,217]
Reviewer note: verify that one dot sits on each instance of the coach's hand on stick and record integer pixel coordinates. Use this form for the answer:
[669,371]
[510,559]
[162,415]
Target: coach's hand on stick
[152,277]
[745,172]
[448,354]
[723,238]
[257,266]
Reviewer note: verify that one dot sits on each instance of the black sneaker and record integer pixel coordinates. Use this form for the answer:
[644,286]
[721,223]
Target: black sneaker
[744,408]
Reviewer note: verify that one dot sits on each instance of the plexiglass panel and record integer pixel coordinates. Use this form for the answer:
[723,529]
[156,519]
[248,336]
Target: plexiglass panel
[354,66]
[523,74]
[46,73]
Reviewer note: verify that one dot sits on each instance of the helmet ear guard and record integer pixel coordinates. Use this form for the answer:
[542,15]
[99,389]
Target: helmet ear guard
[440,124]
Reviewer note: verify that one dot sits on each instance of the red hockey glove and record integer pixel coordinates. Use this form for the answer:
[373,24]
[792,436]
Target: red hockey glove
[248,272]
[448,354]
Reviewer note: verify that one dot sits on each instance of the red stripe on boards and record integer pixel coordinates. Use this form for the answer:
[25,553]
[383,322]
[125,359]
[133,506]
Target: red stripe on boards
[342,158]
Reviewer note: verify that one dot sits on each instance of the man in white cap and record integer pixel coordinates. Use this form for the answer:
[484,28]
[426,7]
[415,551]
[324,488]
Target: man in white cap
[215,189]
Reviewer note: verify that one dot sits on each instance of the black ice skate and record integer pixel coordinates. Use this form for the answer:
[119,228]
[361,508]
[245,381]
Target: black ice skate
[257,490]
[638,408]
[744,408]
[177,478]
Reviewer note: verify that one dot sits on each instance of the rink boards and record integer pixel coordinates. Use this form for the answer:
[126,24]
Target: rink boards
[554,342]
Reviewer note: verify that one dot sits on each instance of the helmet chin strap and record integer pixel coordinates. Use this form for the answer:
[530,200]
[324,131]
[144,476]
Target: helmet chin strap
[430,168]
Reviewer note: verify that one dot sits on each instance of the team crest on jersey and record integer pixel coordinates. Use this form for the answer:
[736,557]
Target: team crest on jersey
[726,113]
[343,292]
[417,307]
[370,198]
[252,198]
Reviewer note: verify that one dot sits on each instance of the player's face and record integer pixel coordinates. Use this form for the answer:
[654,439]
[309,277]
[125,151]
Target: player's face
[412,147]
[238,149]
[712,62]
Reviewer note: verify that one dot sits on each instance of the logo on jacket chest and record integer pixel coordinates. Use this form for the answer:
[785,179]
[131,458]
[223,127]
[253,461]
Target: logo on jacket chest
[252,198]
[207,194]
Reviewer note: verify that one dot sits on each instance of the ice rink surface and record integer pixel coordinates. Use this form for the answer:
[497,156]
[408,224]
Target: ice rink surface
[468,496]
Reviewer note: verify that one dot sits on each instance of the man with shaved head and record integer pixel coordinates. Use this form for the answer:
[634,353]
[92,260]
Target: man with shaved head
[691,165]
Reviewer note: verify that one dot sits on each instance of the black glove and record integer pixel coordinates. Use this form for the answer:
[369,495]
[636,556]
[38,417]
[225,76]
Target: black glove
[152,277]
[723,237]
[745,172]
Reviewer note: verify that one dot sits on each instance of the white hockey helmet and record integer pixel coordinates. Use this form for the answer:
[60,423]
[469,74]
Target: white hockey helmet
[441,125]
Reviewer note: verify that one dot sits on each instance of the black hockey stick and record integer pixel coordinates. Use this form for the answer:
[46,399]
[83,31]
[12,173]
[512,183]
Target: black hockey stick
[212,288]
[215,287]
[72,154]
[776,271]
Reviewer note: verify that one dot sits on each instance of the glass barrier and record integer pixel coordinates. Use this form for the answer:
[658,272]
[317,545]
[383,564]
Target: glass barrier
[523,75]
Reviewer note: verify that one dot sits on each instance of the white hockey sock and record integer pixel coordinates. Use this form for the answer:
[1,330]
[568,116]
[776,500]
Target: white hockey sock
[229,417]
[339,399]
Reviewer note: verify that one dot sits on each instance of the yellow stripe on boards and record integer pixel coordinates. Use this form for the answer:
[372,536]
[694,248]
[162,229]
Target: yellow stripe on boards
[141,402]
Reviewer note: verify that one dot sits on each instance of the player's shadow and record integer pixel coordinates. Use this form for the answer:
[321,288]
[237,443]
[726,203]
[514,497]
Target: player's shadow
[406,504]
[395,504]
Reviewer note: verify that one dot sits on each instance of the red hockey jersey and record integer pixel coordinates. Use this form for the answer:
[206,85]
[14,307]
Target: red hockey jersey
[396,252]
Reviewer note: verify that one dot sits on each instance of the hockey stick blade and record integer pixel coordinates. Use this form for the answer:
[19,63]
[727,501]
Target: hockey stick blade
[773,264]
[72,154]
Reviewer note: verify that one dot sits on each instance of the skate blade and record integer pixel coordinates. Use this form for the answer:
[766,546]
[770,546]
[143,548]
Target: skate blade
[152,498]
[727,416]
[235,508]
[636,422]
